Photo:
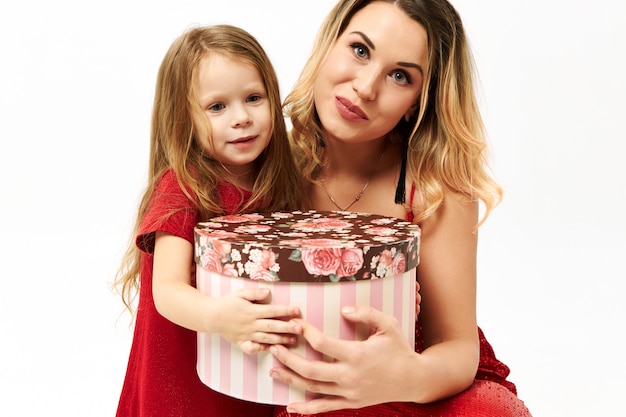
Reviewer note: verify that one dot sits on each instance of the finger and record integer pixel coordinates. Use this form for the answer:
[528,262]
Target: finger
[257,294]
[320,405]
[324,344]
[418,299]
[251,347]
[370,316]
[277,326]
[312,375]
[270,311]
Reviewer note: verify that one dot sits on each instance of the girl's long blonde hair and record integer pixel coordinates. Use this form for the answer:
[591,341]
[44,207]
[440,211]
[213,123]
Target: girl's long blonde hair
[445,137]
[173,146]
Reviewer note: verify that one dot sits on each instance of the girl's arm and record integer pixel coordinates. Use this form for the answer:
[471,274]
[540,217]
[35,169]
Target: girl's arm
[238,316]
[384,368]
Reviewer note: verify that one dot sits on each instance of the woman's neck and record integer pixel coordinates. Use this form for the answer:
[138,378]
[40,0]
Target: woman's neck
[343,159]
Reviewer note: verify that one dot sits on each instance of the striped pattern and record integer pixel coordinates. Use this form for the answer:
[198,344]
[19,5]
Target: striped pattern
[225,368]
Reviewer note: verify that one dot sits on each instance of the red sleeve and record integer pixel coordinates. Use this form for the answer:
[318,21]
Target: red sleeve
[170,211]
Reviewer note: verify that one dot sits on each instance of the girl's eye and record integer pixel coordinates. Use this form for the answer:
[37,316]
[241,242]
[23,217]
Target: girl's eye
[254,97]
[216,107]
[360,50]
[401,77]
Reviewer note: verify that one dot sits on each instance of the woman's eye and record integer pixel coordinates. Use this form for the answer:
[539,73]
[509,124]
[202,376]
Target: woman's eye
[360,50]
[216,107]
[401,77]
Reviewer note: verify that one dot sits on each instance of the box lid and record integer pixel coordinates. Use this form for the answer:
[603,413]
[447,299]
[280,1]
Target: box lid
[307,246]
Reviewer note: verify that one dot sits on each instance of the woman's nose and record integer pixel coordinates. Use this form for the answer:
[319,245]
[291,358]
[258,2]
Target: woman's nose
[365,83]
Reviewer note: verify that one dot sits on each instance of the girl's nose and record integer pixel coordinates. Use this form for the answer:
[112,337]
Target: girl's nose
[241,118]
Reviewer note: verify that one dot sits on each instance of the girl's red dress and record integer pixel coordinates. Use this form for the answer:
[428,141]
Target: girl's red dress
[161,378]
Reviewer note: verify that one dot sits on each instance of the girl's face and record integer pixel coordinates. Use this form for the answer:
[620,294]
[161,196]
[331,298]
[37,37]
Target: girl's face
[373,74]
[234,99]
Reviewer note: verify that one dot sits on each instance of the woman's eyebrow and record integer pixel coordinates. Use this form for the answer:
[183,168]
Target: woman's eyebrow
[367,40]
[369,43]
[412,65]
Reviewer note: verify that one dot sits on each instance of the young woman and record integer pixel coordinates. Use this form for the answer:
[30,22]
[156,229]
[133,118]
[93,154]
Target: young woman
[385,121]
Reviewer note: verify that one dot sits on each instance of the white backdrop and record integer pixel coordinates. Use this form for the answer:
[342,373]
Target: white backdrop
[76,88]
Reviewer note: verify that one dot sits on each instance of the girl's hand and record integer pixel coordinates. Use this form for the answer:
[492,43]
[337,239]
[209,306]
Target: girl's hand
[245,319]
[363,372]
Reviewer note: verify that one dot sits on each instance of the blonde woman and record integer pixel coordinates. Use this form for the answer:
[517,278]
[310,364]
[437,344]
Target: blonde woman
[385,121]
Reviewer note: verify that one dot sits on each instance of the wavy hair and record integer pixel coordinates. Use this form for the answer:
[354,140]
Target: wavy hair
[445,137]
[173,145]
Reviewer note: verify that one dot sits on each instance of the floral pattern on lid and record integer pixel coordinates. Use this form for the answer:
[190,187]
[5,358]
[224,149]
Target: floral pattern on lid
[307,246]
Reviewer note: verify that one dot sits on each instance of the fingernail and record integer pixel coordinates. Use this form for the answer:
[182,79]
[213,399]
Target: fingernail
[347,310]
[273,350]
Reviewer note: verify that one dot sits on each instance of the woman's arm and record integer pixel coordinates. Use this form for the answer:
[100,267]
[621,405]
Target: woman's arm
[447,275]
[238,316]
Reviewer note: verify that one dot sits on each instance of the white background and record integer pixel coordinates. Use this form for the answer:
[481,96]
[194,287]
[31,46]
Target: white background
[76,88]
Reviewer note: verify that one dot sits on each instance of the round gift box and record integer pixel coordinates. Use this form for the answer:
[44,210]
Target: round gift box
[316,260]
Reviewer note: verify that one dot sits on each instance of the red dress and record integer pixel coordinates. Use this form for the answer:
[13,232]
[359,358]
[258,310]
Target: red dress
[491,394]
[161,378]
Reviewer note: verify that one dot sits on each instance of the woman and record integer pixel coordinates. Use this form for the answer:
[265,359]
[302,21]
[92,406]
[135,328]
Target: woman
[385,111]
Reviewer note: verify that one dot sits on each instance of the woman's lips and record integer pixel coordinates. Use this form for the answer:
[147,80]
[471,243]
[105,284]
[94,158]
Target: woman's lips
[349,110]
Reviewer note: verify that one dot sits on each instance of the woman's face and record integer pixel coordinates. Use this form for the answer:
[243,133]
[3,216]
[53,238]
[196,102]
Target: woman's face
[373,74]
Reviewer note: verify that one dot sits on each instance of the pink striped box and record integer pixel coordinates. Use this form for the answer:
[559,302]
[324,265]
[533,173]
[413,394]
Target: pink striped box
[319,261]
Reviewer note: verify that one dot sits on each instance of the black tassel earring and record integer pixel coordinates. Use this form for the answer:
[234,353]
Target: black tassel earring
[400,188]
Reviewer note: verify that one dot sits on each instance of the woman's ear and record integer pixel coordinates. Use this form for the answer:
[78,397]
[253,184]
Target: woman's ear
[412,111]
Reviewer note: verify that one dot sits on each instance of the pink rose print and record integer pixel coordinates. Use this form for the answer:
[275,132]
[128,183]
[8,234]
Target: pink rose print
[221,248]
[253,229]
[321,225]
[262,275]
[229,270]
[382,221]
[321,243]
[334,224]
[294,234]
[290,242]
[216,234]
[321,261]
[267,259]
[351,262]
[386,257]
[238,218]
[281,215]
[210,260]
[398,266]
[380,231]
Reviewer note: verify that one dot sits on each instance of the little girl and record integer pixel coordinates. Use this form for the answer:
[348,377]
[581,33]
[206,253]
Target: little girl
[218,146]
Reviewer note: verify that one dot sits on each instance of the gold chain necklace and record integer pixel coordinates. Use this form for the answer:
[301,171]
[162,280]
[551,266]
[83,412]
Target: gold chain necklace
[360,193]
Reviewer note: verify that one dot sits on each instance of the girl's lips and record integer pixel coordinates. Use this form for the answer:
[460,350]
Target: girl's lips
[243,139]
[349,110]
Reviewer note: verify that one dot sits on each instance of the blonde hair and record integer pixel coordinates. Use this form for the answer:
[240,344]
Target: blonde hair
[445,137]
[173,146]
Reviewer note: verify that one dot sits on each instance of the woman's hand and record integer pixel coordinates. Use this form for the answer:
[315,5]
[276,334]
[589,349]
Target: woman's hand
[363,372]
[418,299]
[245,319]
